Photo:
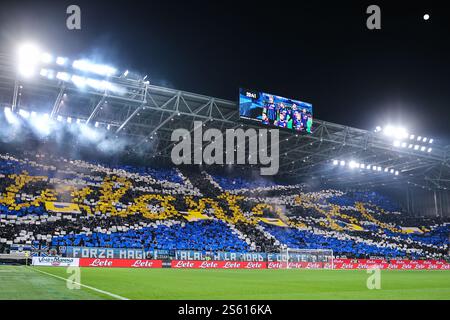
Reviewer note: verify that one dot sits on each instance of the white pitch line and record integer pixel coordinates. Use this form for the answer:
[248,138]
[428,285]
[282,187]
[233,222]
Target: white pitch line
[83,285]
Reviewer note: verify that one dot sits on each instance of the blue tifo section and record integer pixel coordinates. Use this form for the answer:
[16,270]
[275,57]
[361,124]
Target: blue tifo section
[301,239]
[199,235]
[32,210]
[15,167]
[365,197]
[438,236]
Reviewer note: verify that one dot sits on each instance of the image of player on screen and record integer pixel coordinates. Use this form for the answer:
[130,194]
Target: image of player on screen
[297,123]
[304,117]
[265,119]
[294,111]
[285,110]
[281,122]
[270,109]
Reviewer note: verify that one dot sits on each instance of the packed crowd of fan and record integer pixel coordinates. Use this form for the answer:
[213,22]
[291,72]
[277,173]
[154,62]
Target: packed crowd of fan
[153,208]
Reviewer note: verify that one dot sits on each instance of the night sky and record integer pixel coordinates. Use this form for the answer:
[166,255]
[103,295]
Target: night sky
[314,51]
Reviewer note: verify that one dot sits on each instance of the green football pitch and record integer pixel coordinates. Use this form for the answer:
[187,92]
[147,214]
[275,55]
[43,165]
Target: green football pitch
[20,282]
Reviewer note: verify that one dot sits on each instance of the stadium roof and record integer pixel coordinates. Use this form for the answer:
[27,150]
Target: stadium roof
[148,114]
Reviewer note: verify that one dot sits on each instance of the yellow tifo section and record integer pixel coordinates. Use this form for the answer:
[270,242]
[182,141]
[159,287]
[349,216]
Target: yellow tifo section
[236,213]
[360,207]
[405,230]
[200,206]
[20,180]
[273,221]
[141,205]
[354,227]
[351,223]
[363,211]
[258,212]
[410,230]
[79,195]
[62,207]
[195,216]
[114,188]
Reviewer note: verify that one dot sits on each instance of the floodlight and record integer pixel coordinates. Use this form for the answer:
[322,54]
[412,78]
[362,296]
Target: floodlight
[410,146]
[69,120]
[396,132]
[388,130]
[396,173]
[386,169]
[424,139]
[411,137]
[33,114]
[379,168]
[29,56]
[416,147]
[431,141]
[125,73]
[59,118]
[419,138]
[374,168]
[96,124]
[422,149]
[352,164]
[362,166]
[401,133]
[392,171]
[46,57]
[396,143]
[78,121]
[61,61]
[64,76]
[108,127]
[430,149]
[335,162]
[342,163]
[368,167]
[44,72]
[403,144]
[51,75]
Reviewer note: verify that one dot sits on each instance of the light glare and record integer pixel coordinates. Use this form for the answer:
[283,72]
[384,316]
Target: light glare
[100,69]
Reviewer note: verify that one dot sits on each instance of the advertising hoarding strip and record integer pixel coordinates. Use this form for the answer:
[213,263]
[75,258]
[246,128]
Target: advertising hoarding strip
[55,261]
[339,264]
[120,263]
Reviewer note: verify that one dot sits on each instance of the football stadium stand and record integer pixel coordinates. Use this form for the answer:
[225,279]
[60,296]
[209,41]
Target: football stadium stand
[51,202]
